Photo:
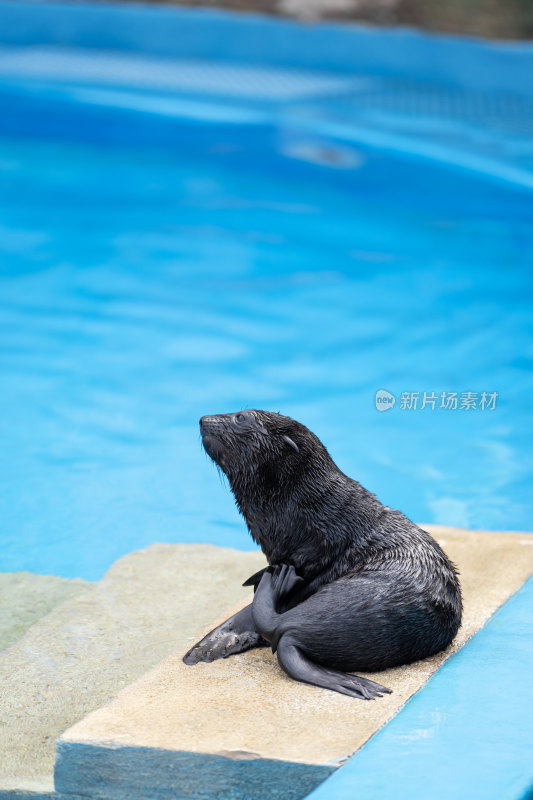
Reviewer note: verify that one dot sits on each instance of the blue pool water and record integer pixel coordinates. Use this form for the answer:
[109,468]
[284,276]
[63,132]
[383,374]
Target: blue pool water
[170,254]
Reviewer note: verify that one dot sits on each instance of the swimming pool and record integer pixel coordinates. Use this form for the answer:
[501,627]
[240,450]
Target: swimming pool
[179,241]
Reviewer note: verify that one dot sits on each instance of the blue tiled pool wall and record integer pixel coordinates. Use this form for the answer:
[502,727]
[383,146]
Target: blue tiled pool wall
[206,34]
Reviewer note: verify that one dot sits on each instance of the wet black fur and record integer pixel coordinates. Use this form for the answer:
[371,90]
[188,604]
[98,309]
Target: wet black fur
[377,590]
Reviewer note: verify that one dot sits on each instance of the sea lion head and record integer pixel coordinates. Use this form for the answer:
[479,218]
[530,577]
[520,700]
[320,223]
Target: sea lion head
[259,449]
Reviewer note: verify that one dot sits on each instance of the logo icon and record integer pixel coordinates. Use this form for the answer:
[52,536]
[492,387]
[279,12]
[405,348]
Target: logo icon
[384,400]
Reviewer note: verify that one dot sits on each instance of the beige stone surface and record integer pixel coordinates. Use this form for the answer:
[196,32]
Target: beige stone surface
[26,597]
[246,704]
[149,604]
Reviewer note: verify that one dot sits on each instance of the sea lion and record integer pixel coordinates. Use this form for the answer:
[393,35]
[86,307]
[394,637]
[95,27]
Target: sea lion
[352,584]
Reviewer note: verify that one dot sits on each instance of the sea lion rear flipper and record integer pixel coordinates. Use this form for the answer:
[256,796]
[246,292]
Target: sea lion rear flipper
[288,640]
[297,666]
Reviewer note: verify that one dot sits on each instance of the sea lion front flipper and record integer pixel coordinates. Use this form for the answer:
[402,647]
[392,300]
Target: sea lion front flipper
[284,582]
[255,579]
[276,585]
[299,667]
[236,635]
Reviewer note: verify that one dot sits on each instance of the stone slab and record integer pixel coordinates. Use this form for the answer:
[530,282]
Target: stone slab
[26,597]
[149,604]
[157,774]
[245,709]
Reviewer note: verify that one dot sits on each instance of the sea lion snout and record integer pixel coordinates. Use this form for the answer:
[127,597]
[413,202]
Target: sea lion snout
[233,440]
[211,430]
[239,422]
[207,422]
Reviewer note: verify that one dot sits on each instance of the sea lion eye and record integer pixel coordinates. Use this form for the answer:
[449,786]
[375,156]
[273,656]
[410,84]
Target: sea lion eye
[239,417]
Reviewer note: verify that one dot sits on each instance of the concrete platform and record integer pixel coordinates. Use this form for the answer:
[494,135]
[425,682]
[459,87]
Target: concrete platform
[149,604]
[240,728]
[26,597]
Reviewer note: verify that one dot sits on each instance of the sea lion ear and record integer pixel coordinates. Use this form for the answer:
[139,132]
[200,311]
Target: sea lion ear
[291,443]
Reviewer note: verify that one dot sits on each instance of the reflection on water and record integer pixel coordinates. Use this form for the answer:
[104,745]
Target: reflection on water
[142,287]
